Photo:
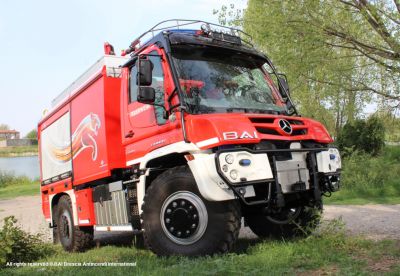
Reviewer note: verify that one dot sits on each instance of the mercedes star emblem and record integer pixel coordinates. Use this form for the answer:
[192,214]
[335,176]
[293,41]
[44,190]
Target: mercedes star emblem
[285,126]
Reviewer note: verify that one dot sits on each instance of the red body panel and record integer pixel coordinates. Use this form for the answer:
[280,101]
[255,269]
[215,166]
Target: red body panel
[140,118]
[84,207]
[53,189]
[95,129]
[207,126]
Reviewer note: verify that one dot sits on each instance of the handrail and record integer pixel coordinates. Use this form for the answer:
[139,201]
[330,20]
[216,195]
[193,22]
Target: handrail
[184,22]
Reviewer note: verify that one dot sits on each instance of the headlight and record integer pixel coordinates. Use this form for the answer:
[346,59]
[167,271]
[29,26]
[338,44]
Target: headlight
[329,161]
[234,174]
[243,166]
[229,159]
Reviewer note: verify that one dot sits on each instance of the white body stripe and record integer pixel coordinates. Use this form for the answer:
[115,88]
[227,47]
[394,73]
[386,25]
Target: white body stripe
[207,142]
[134,161]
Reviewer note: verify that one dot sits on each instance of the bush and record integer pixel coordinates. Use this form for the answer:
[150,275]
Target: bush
[7,179]
[19,246]
[362,135]
[365,175]
[32,134]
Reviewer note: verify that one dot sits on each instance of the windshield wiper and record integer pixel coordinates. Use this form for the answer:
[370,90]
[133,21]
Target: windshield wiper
[254,110]
[231,109]
[264,111]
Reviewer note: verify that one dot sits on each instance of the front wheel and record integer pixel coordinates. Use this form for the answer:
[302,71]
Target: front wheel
[285,223]
[177,220]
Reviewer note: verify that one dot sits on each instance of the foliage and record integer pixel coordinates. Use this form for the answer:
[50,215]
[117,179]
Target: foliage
[338,55]
[19,246]
[4,127]
[370,179]
[32,134]
[391,124]
[362,135]
[18,151]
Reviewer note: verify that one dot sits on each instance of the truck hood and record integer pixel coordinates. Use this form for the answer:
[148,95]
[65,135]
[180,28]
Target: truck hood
[210,130]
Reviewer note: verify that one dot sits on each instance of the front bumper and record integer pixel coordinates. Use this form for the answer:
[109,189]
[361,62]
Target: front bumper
[312,170]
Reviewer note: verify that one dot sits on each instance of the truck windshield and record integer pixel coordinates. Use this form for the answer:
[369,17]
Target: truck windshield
[216,80]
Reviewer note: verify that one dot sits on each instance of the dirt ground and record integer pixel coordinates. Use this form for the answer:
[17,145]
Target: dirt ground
[374,221]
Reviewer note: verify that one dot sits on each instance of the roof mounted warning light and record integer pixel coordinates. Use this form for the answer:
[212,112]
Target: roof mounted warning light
[108,49]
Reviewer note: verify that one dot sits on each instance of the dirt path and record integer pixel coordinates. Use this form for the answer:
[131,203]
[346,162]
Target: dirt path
[373,221]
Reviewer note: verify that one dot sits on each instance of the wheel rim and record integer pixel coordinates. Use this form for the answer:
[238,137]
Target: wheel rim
[286,216]
[184,217]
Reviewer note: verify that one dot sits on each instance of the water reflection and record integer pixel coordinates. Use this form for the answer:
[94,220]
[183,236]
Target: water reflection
[23,165]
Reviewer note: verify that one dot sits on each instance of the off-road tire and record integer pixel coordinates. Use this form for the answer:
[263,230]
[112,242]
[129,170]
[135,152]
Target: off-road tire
[223,221]
[54,230]
[78,238]
[301,226]
[138,241]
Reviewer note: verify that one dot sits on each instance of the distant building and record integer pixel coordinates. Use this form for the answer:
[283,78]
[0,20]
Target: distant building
[9,134]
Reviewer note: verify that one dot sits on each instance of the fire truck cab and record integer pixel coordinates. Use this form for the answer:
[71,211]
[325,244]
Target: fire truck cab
[188,132]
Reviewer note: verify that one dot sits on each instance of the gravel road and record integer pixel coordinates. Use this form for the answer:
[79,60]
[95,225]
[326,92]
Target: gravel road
[372,221]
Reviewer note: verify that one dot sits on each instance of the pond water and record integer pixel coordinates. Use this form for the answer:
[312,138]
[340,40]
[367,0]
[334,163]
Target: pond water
[23,165]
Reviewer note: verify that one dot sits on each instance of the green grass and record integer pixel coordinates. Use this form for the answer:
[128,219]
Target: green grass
[328,252]
[18,151]
[13,186]
[367,179]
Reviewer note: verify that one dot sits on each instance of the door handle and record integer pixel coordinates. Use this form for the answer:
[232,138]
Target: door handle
[130,134]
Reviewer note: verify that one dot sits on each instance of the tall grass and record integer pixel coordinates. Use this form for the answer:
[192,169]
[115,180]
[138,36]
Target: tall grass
[13,186]
[19,151]
[370,179]
[328,252]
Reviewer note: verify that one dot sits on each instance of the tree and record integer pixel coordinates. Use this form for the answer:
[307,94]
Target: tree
[362,135]
[4,127]
[338,55]
[32,134]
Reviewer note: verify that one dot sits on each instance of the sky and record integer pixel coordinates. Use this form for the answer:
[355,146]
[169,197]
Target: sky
[46,44]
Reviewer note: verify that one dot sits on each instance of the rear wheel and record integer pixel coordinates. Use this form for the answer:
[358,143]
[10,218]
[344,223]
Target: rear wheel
[177,220]
[286,223]
[72,238]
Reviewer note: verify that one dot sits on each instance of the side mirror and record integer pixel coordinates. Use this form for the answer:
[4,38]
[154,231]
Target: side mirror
[145,72]
[146,95]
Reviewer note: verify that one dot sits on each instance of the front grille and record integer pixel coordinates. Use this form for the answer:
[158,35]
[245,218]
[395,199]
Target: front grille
[270,126]
[258,120]
[296,122]
[299,132]
[265,130]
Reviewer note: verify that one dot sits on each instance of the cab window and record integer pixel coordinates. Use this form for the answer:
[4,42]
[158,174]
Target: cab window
[133,87]
[158,85]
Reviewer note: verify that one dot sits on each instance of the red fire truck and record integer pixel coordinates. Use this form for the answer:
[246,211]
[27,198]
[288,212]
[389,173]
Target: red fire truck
[189,131]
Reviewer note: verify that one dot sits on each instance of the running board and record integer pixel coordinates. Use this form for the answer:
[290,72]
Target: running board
[116,228]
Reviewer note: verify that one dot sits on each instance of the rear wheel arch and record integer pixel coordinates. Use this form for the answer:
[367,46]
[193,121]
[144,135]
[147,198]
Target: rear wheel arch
[53,204]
